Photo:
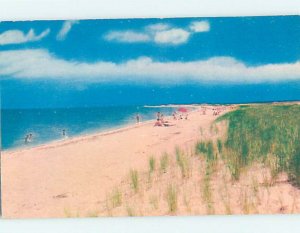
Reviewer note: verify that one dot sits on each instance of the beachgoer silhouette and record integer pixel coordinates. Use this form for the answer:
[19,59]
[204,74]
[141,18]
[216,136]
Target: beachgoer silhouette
[138,118]
[174,116]
[64,132]
[26,138]
[158,116]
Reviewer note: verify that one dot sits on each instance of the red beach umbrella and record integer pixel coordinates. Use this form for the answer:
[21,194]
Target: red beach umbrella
[182,109]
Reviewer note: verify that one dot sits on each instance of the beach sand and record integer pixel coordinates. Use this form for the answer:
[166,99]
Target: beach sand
[73,177]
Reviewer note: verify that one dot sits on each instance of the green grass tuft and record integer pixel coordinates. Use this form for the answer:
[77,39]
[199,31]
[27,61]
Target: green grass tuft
[164,162]
[183,162]
[207,149]
[172,198]
[151,164]
[116,198]
[134,177]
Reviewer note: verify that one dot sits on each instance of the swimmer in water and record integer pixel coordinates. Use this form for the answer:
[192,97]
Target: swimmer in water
[26,138]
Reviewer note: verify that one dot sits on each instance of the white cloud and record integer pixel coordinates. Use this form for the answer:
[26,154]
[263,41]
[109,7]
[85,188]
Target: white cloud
[65,29]
[200,26]
[173,36]
[40,64]
[127,36]
[159,33]
[18,37]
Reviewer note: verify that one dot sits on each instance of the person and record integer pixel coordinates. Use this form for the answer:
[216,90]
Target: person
[158,123]
[137,118]
[26,138]
[30,137]
[174,116]
[64,134]
[158,116]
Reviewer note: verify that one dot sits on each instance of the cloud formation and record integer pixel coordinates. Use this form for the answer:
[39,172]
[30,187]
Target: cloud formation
[200,26]
[127,36]
[40,64]
[159,33]
[173,36]
[18,37]
[65,29]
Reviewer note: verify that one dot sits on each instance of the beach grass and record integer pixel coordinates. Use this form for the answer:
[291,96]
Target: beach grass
[116,198]
[183,162]
[130,211]
[207,190]
[152,164]
[220,146]
[264,133]
[207,149]
[164,162]
[134,178]
[172,198]
[238,169]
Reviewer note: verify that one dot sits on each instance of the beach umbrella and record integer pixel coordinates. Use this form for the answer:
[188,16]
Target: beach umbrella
[182,109]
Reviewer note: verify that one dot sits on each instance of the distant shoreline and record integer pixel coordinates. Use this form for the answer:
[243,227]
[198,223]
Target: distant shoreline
[164,105]
[217,104]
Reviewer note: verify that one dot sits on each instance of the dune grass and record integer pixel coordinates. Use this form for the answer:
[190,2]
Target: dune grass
[164,162]
[172,198]
[220,146]
[116,198]
[152,164]
[130,211]
[207,149]
[206,189]
[134,178]
[264,133]
[183,162]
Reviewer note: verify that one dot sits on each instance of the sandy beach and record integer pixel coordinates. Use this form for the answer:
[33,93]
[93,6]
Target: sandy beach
[77,173]
[73,177]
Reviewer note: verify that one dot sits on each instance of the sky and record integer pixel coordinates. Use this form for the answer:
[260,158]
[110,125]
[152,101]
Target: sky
[82,63]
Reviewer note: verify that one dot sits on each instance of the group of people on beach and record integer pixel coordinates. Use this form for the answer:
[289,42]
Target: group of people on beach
[215,111]
[160,120]
[29,137]
[180,116]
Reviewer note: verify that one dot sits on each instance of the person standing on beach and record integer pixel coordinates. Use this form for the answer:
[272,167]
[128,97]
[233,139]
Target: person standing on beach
[138,118]
[158,116]
[174,116]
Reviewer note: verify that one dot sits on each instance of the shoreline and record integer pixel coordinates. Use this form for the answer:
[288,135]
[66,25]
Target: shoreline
[96,133]
[78,138]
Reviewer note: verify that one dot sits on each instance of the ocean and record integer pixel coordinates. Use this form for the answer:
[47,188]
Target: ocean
[47,125]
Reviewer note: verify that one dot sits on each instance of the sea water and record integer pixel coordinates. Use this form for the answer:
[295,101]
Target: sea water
[47,125]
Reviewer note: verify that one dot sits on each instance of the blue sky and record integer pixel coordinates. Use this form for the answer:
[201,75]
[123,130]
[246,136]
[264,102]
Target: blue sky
[149,61]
